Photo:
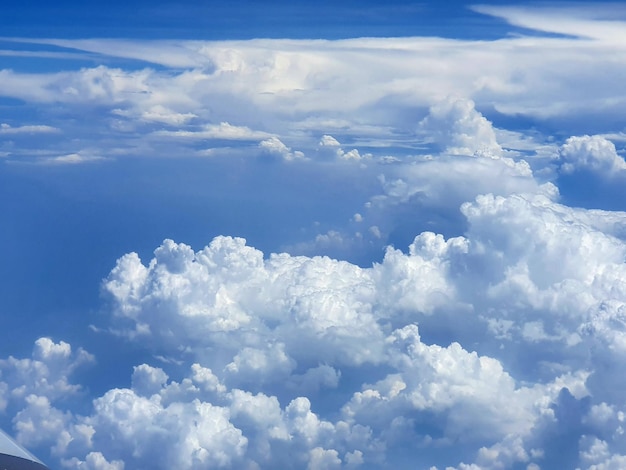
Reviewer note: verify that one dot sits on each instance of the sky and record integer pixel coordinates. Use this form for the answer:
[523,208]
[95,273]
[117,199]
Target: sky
[313,235]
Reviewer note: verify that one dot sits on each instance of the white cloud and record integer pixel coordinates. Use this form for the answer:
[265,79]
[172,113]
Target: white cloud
[590,153]
[222,130]
[147,380]
[595,455]
[328,146]
[322,376]
[479,400]
[459,129]
[46,374]
[159,113]
[544,268]
[427,193]
[228,287]
[94,461]
[275,334]
[40,423]
[367,86]
[170,429]
[274,147]
[470,350]
[72,159]
[183,435]
[323,459]
[260,365]
[6,129]
[582,20]
[453,180]
[541,257]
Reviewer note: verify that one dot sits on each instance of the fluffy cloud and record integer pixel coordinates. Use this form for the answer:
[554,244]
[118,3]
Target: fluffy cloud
[158,113]
[275,148]
[93,461]
[328,146]
[272,345]
[229,287]
[184,435]
[488,340]
[590,153]
[39,422]
[548,270]
[528,271]
[322,360]
[45,374]
[427,193]
[457,128]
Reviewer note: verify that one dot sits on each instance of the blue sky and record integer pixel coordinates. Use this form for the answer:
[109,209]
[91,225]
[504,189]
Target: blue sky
[313,235]
[244,19]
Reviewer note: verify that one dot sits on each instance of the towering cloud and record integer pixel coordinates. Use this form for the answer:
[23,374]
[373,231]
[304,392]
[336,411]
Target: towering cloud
[457,128]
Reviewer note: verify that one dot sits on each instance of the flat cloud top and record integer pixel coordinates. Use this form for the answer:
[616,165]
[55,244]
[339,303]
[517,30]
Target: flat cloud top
[255,89]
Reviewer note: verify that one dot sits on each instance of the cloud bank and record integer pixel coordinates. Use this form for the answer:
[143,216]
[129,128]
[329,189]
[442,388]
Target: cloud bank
[331,364]
[444,303]
[373,90]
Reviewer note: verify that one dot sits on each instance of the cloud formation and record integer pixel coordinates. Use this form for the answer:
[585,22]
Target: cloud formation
[366,88]
[7,129]
[472,350]
[275,332]
[590,153]
[458,129]
[480,329]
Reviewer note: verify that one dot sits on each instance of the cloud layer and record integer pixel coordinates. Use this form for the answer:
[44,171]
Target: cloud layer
[436,296]
[324,361]
[373,90]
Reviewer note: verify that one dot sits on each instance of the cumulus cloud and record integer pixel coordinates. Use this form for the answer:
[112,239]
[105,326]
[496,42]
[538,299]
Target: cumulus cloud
[294,362]
[528,271]
[247,292]
[561,263]
[203,436]
[275,148]
[93,461]
[489,340]
[34,386]
[202,298]
[39,422]
[427,193]
[329,147]
[46,373]
[590,153]
[459,129]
